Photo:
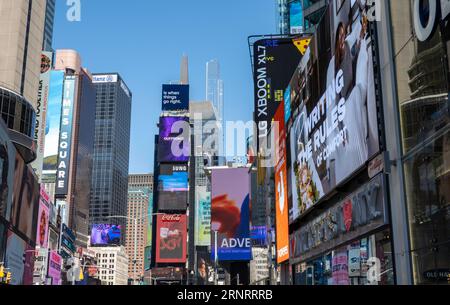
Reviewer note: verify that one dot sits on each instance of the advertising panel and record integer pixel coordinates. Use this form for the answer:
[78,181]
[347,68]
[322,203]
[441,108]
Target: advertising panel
[230,214]
[148,242]
[40,265]
[53,122]
[54,267]
[19,259]
[274,63]
[174,144]
[41,110]
[65,139]
[296,16]
[281,190]
[336,130]
[105,234]
[171,238]
[258,234]
[43,219]
[172,187]
[175,98]
[25,207]
[202,216]
[360,213]
[7,162]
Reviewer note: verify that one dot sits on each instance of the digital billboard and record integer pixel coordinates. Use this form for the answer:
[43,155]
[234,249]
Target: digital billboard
[281,190]
[7,163]
[258,234]
[105,234]
[172,187]
[296,17]
[175,98]
[41,110]
[230,214]
[54,267]
[19,259]
[202,216]
[65,138]
[174,144]
[148,243]
[336,129]
[171,238]
[43,219]
[53,122]
[274,62]
[25,206]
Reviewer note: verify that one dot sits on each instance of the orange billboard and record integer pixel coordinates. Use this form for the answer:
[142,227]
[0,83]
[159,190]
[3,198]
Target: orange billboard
[281,195]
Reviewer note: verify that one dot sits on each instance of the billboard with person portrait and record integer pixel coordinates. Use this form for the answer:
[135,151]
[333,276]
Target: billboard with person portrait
[43,219]
[335,131]
[230,214]
[7,166]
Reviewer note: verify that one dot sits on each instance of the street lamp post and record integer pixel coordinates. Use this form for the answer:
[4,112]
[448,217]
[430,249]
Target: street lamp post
[135,220]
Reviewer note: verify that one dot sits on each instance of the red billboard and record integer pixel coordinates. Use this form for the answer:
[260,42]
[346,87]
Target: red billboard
[171,236]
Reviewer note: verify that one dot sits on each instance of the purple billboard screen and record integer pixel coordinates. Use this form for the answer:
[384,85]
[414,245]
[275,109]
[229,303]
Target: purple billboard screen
[174,144]
[104,234]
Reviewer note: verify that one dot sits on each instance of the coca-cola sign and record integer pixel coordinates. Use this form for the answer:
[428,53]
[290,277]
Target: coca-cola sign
[171,235]
[171,218]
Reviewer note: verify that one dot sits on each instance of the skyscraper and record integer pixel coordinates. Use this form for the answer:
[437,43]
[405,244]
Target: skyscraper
[215,94]
[111,150]
[140,189]
[48,26]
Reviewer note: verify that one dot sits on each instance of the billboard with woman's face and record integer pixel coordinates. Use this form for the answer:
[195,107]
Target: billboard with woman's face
[336,128]
[230,214]
[43,219]
[7,164]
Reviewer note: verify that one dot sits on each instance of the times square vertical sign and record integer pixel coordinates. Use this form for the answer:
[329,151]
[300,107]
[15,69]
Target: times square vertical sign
[65,136]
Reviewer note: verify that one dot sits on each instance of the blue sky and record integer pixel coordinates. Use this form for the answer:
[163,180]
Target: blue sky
[144,40]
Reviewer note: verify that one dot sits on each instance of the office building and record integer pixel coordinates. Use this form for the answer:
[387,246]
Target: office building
[48,27]
[140,191]
[112,265]
[259,266]
[111,150]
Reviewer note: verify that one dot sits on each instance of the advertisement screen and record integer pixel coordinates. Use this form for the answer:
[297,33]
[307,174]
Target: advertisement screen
[148,242]
[281,190]
[296,16]
[202,216]
[105,234]
[174,144]
[65,139]
[171,238]
[7,167]
[41,109]
[19,259]
[275,61]
[230,214]
[175,97]
[53,122]
[43,219]
[54,267]
[25,207]
[336,129]
[172,187]
[258,234]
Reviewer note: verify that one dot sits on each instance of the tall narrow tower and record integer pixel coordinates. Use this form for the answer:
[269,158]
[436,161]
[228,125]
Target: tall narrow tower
[184,71]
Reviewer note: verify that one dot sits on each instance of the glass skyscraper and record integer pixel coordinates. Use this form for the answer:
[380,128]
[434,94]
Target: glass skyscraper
[48,27]
[215,94]
[111,150]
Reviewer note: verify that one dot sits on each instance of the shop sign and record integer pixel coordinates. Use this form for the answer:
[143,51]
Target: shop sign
[360,213]
[437,275]
[426,16]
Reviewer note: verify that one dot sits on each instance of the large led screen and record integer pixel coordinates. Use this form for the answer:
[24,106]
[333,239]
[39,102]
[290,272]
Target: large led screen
[230,214]
[105,234]
[172,187]
[175,97]
[174,144]
[336,129]
[171,238]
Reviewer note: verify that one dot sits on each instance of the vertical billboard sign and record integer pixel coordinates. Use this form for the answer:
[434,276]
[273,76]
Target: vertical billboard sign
[281,191]
[53,122]
[65,138]
[19,259]
[43,219]
[171,237]
[336,129]
[148,243]
[172,187]
[274,63]
[174,143]
[202,216]
[41,110]
[230,214]
[175,98]
[296,17]
[54,267]
[7,162]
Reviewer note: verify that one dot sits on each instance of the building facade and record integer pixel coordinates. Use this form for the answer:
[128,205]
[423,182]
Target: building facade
[140,189]
[298,16]
[112,265]
[111,150]
[48,27]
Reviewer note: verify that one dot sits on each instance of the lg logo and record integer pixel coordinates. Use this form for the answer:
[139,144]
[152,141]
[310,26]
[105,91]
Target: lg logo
[427,13]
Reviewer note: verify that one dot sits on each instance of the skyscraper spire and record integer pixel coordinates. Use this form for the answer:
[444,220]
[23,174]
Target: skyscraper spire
[184,71]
